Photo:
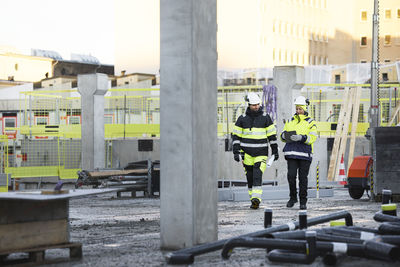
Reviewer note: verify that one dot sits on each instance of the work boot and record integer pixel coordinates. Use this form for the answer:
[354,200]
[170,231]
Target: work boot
[255,203]
[291,202]
[303,206]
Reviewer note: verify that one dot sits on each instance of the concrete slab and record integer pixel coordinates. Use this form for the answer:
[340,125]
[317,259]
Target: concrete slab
[269,193]
[37,194]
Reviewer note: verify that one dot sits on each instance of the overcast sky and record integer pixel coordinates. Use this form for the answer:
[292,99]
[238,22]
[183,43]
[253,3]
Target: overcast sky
[65,26]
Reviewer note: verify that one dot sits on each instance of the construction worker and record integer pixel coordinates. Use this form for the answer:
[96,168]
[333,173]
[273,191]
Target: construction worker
[251,135]
[299,134]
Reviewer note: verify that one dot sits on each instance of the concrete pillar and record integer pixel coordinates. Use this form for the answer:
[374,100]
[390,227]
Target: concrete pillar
[92,88]
[188,123]
[288,81]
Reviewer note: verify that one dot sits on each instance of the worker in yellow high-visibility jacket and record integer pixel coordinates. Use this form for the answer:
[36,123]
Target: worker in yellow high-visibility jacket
[299,134]
[251,135]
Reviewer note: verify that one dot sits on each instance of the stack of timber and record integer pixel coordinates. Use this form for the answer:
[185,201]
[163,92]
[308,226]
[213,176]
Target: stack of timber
[349,110]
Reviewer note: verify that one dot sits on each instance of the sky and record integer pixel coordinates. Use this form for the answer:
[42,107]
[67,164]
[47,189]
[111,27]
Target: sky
[65,26]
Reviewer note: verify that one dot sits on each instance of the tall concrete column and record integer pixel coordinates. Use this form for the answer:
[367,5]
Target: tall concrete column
[92,88]
[288,81]
[188,122]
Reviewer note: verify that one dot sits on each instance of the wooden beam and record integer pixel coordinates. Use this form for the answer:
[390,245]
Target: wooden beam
[345,132]
[354,123]
[394,115]
[338,133]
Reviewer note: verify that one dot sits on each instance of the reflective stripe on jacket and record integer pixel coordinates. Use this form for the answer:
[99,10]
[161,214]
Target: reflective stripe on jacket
[252,133]
[302,149]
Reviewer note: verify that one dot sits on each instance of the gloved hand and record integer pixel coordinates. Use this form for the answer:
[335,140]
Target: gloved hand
[275,153]
[236,157]
[296,137]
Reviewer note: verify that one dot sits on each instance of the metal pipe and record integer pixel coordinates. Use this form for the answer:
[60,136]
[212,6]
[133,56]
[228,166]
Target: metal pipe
[302,219]
[351,233]
[213,246]
[380,217]
[287,256]
[386,196]
[389,228]
[341,239]
[267,218]
[259,242]
[381,251]
[389,239]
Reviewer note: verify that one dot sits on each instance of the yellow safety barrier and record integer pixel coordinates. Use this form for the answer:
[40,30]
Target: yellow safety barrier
[48,135]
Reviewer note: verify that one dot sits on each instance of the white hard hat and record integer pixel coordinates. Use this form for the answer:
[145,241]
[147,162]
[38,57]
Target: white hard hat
[300,100]
[253,98]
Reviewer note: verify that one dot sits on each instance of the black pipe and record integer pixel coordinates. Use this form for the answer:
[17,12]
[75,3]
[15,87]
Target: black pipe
[267,218]
[341,239]
[293,245]
[386,196]
[292,257]
[390,239]
[380,217]
[365,229]
[189,253]
[350,233]
[381,251]
[350,249]
[389,209]
[331,258]
[259,242]
[302,219]
[389,228]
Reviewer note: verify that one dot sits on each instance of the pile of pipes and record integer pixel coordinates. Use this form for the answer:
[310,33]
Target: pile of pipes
[136,175]
[294,243]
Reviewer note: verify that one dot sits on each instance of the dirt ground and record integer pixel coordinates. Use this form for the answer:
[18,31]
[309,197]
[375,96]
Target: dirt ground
[126,232]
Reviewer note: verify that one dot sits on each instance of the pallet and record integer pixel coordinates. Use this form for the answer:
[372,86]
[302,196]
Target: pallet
[36,256]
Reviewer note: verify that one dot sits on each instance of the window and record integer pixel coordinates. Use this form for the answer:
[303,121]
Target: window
[363,15]
[387,60]
[363,61]
[337,78]
[75,119]
[398,13]
[385,77]
[387,39]
[363,41]
[42,120]
[388,14]
[273,54]
[16,66]
[10,122]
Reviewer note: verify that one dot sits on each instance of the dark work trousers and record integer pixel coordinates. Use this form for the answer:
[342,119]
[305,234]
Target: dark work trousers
[253,174]
[303,166]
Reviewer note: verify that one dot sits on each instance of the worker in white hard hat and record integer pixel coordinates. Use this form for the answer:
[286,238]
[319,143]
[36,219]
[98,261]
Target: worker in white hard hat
[251,135]
[299,134]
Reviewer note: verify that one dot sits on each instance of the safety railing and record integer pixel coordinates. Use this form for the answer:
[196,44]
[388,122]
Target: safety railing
[47,135]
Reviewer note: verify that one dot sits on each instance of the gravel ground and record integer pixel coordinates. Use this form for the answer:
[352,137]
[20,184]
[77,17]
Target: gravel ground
[126,232]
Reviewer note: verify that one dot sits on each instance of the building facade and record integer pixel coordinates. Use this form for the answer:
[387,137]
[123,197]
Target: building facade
[267,33]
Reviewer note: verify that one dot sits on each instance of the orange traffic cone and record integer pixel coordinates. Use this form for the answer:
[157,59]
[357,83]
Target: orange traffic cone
[342,173]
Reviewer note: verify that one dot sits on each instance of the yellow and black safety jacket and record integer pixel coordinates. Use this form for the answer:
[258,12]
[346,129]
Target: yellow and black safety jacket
[252,133]
[302,149]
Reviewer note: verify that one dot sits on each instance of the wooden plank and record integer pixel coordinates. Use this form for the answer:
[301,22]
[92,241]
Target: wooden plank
[336,142]
[354,122]
[20,210]
[97,174]
[33,234]
[345,132]
[394,114]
